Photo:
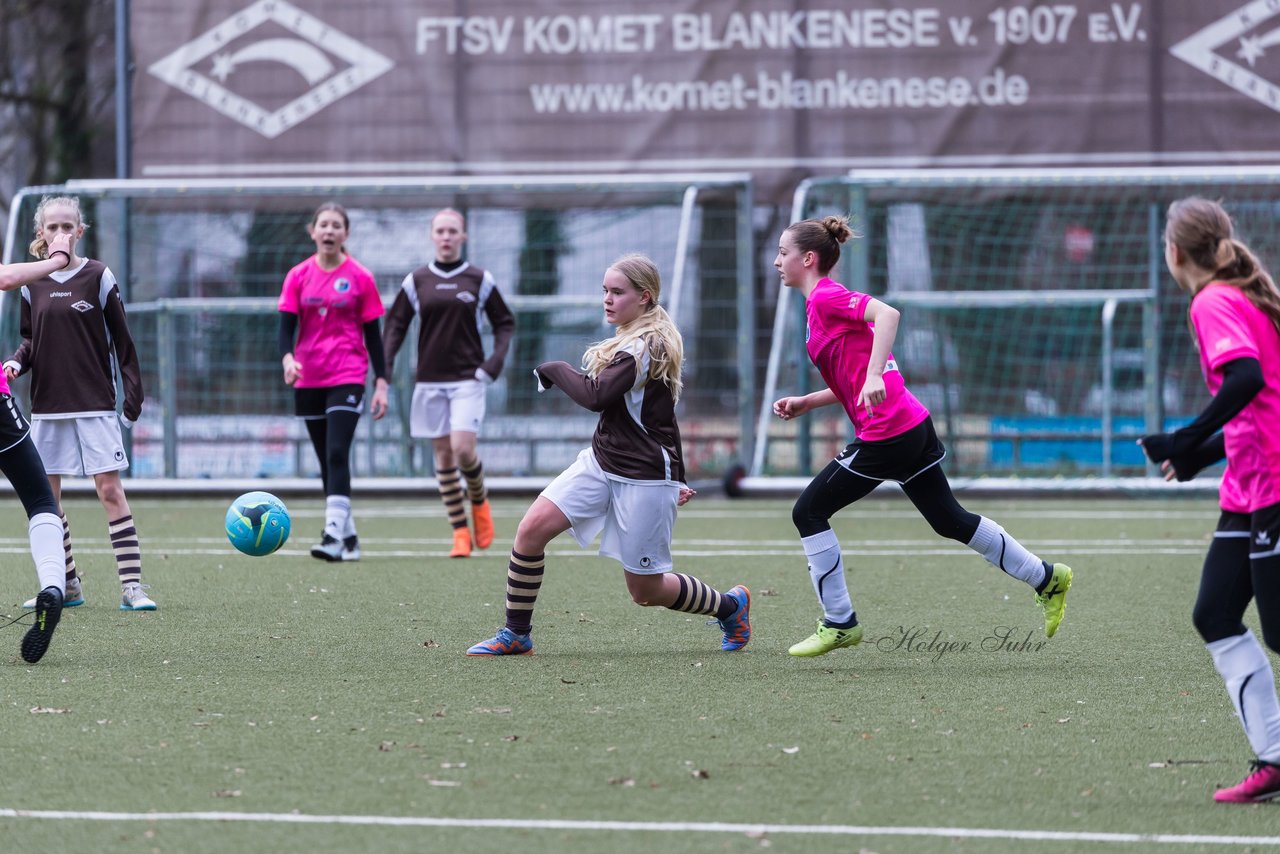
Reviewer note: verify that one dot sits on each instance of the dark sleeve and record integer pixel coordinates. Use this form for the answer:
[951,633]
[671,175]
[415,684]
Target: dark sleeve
[1187,466]
[398,320]
[504,327]
[1241,381]
[126,354]
[288,331]
[373,343]
[23,354]
[595,394]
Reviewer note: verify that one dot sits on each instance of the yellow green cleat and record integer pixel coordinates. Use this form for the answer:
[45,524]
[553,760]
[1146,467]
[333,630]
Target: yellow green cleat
[826,639]
[1053,600]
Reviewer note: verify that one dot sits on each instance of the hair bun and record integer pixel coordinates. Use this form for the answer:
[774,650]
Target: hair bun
[837,227]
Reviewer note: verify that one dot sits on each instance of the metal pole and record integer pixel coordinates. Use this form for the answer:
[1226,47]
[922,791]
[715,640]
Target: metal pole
[124,69]
[124,166]
[168,347]
[776,342]
[676,292]
[1108,382]
[1152,369]
[746,319]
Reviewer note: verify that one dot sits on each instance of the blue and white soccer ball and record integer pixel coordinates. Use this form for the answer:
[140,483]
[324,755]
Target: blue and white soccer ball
[257,523]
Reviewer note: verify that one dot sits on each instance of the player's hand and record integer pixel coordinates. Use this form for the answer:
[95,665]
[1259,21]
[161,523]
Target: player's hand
[292,370]
[378,403]
[685,494]
[10,372]
[787,408]
[1170,474]
[61,245]
[1158,446]
[872,394]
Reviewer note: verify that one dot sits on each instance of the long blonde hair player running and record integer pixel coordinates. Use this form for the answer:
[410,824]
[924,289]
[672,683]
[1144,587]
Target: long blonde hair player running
[630,481]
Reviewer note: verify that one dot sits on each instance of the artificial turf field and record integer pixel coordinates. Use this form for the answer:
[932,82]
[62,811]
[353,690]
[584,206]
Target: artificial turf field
[331,708]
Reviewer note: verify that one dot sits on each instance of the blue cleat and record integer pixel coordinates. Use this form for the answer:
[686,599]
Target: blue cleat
[505,642]
[737,626]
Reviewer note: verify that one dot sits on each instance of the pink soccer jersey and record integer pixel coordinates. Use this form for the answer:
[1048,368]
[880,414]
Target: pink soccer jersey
[839,343]
[1228,327]
[332,308]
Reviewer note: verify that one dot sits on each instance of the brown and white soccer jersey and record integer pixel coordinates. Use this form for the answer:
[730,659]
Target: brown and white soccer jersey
[74,331]
[637,437]
[450,307]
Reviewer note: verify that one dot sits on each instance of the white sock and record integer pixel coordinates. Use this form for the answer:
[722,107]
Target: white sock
[826,570]
[337,509]
[1244,667]
[1004,552]
[349,526]
[45,531]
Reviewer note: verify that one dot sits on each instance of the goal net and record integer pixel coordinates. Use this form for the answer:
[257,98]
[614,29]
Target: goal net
[201,265]
[1039,324]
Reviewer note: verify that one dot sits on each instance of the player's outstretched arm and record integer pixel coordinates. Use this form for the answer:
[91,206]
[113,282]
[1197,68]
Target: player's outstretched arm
[13,276]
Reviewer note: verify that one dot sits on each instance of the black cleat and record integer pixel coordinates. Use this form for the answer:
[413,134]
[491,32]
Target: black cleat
[35,643]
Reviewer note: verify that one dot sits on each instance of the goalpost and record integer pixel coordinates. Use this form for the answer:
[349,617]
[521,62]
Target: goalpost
[201,262]
[1040,325]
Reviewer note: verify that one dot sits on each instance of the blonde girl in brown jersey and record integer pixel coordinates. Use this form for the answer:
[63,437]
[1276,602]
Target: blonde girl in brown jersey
[75,425]
[627,485]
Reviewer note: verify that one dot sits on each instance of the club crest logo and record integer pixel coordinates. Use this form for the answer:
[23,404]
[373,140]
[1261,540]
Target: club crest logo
[274,51]
[342,285]
[82,306]
[1241,50]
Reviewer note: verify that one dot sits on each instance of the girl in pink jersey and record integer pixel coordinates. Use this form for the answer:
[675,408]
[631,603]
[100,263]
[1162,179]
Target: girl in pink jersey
[850,336]
[330,303]
[1235,316]
[21,464]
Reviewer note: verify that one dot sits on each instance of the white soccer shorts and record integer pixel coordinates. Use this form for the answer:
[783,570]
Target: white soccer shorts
[439,409]
[80,446]
[637,518]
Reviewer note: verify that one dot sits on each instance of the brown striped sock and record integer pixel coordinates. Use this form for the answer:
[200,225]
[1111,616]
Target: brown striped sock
[698,597]
[524,579]
[450,485]
[124,542]
[475,483]
[66,548]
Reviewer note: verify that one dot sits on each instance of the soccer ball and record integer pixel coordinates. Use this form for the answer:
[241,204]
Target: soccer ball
[257,523]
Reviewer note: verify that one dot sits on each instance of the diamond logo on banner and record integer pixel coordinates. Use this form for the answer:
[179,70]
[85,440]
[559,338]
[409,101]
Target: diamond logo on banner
[205,67]
[1211,50]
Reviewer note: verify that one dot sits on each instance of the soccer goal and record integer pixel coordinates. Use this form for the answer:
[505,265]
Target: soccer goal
[1039,325]
[201,264]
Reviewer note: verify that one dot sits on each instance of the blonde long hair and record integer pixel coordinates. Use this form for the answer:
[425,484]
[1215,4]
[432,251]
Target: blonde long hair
[40,247]
[661,337]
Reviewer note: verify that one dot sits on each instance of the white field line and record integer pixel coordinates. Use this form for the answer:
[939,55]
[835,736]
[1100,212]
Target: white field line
[790,542]
[645,826]
[500,552]
[432,512]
